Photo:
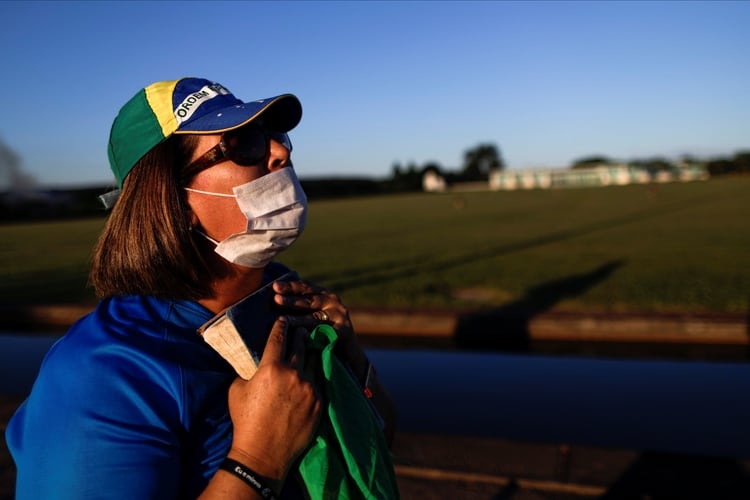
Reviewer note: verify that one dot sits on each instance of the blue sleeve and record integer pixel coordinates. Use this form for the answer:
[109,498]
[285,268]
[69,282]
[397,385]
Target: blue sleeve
[103,422]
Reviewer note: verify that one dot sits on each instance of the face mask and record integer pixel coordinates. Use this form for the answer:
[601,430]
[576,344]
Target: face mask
[276,209]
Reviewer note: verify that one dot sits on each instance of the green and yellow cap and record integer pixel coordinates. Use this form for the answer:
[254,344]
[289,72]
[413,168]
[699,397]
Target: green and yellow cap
[187,106]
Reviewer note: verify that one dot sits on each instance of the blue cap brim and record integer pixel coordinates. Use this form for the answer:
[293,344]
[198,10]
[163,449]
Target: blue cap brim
[281,113]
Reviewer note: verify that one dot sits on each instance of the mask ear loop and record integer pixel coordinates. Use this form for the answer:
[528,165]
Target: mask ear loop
[224,195]
[204,235]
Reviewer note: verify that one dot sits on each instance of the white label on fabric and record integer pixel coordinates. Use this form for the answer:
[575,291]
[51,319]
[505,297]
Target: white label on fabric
[190,104]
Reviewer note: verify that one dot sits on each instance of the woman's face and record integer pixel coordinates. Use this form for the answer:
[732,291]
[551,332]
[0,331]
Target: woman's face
[218,216]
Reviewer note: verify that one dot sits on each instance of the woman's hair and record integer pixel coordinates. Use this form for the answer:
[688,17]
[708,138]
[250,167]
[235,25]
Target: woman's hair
[147,247]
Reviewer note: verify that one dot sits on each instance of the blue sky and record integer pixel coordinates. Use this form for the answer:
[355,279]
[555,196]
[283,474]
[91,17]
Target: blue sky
[389,82]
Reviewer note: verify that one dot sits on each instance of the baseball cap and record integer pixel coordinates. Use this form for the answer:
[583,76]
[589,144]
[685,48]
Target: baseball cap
[188,106]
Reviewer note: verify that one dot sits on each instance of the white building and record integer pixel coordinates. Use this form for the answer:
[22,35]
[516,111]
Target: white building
[602,175]
[433,181]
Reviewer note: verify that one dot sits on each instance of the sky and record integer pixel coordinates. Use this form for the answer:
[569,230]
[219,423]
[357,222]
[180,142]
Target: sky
[389,83]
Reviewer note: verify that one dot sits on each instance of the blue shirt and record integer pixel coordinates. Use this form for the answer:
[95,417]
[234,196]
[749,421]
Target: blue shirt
[130,403]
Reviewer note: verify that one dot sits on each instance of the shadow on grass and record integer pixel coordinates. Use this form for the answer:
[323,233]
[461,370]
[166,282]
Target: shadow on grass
[507,327]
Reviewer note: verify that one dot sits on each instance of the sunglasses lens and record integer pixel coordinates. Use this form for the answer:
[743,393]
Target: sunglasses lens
[282,139]
[248,146]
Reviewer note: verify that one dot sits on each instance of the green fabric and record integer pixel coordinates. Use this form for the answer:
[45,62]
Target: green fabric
[349,458]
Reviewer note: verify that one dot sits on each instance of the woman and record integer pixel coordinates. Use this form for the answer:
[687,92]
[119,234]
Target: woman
[131,402]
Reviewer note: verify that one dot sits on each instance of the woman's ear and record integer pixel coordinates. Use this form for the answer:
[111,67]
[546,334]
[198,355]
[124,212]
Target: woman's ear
[194,221]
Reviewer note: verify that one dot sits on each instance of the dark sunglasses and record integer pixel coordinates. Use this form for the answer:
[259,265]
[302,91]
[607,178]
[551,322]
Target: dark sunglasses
[247,146]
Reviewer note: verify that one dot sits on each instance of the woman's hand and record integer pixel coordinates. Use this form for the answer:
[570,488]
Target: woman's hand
[316,305]
[313,305]
[275,413]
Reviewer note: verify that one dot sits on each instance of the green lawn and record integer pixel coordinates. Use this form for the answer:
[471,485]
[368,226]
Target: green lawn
[670,247]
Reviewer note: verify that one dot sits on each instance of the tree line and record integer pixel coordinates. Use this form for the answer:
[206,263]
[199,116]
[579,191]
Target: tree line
[478,162]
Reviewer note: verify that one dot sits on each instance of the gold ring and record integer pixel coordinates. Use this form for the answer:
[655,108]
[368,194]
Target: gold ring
[321,315]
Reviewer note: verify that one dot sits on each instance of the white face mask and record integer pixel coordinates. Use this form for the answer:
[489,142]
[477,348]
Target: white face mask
[276,209]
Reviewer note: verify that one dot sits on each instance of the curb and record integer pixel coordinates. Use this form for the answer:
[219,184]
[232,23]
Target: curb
[725,329]
[716,329]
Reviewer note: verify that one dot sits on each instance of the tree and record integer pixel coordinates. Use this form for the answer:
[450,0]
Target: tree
[396,170]
[407,178]
[432,166]
[742,162]
[719,166]
[657,163]
[480,161]
[591,161]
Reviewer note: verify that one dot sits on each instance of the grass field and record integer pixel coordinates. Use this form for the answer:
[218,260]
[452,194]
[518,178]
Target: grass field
[665,248]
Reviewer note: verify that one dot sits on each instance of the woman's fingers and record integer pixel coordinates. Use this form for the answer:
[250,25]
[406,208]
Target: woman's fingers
[297,347]
[286,343]
[303,295]
[310,305]
[276,343]
[298,287]
[319,303]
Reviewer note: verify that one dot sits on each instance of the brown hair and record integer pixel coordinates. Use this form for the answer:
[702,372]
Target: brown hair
[147,247]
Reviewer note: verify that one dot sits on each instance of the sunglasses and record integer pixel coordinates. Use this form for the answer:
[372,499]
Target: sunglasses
[247,146]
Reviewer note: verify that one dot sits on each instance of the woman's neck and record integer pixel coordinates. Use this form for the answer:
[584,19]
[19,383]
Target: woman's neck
[232,286]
